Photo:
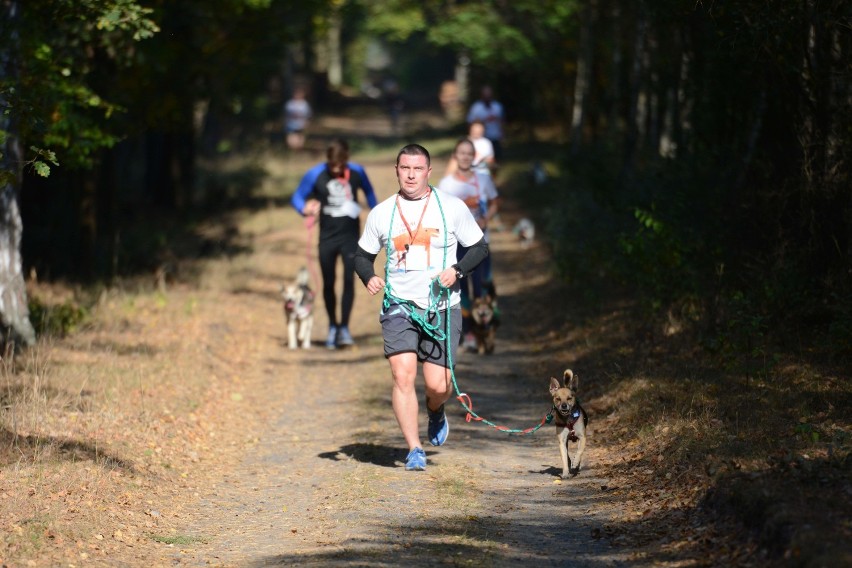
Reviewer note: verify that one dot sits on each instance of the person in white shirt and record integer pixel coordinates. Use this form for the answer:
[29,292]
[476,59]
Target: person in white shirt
[479,193]
[297,115]
[483,157]
[490,113]
[419,228]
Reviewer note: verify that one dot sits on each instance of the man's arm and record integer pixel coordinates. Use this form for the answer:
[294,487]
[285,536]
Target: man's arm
[366,272]
[364,265]
[474,256]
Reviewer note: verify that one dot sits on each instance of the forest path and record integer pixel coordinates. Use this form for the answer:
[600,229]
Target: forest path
[323,484]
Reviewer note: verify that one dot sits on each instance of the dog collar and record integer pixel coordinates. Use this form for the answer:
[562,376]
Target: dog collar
[573,414]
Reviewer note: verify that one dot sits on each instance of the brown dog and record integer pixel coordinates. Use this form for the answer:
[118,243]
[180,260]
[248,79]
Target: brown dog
[570,420]
[485,323]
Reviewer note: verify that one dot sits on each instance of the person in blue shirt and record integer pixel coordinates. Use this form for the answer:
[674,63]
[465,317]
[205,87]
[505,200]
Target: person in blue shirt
[329,191]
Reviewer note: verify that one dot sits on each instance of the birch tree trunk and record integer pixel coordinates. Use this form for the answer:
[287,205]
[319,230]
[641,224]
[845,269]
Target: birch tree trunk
[335,56]
[14,312]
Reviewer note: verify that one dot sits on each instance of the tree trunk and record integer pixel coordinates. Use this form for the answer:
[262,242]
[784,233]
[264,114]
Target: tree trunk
[581,85]
[613,118]
[335,57]
[825,196]
[14,311]
[751,141]
[631,138]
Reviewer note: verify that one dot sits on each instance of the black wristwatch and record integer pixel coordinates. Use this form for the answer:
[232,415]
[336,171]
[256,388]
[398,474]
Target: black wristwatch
[459,273]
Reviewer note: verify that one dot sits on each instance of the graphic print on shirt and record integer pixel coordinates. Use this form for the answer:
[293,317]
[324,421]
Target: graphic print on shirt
[341,201]
[403,243]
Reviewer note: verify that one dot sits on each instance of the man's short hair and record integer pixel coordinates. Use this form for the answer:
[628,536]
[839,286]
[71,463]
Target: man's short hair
[414,150]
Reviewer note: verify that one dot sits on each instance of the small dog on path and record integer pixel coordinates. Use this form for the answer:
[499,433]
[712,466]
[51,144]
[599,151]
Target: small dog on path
[483,312]
[299,310]
[570,420]
[525,229]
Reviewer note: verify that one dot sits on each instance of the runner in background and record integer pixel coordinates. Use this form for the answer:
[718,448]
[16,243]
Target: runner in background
[329,191]
[479,193]
[490,113]
[297,116]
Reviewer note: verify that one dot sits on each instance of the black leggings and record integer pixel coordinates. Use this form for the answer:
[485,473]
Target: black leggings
[328,253]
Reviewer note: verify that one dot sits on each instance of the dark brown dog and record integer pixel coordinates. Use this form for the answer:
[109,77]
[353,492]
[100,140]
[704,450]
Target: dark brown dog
[570,420]
[485,324]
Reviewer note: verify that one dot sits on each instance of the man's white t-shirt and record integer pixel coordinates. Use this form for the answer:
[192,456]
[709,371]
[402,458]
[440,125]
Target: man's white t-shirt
[420,225]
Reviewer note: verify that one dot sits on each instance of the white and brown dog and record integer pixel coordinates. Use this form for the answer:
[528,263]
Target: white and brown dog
[299,310]
[570,420]
[525,230]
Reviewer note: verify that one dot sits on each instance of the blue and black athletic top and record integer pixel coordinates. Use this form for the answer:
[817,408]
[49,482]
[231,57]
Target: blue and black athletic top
[338,196]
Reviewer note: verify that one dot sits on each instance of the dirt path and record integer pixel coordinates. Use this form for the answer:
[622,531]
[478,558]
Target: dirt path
[173,427]
[323,484]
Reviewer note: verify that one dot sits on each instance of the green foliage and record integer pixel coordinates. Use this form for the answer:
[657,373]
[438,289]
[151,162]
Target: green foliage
[126,15]
[52,103]
[395,20]
[38,163]
[59,319]
[741,339]
[808,432]
[480,31]
[655,258]
[512,36]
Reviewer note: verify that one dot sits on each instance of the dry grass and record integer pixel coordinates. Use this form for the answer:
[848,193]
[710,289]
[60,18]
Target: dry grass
[742,469]
[99,431]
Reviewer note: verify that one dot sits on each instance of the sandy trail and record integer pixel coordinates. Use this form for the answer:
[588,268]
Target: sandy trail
[324,484]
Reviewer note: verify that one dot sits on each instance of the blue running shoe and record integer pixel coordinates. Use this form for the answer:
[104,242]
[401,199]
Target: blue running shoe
[415,460]
[344,338]
[439,428]
[331,340]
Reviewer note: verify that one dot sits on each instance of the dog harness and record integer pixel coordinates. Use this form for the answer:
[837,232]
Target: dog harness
[570,420]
